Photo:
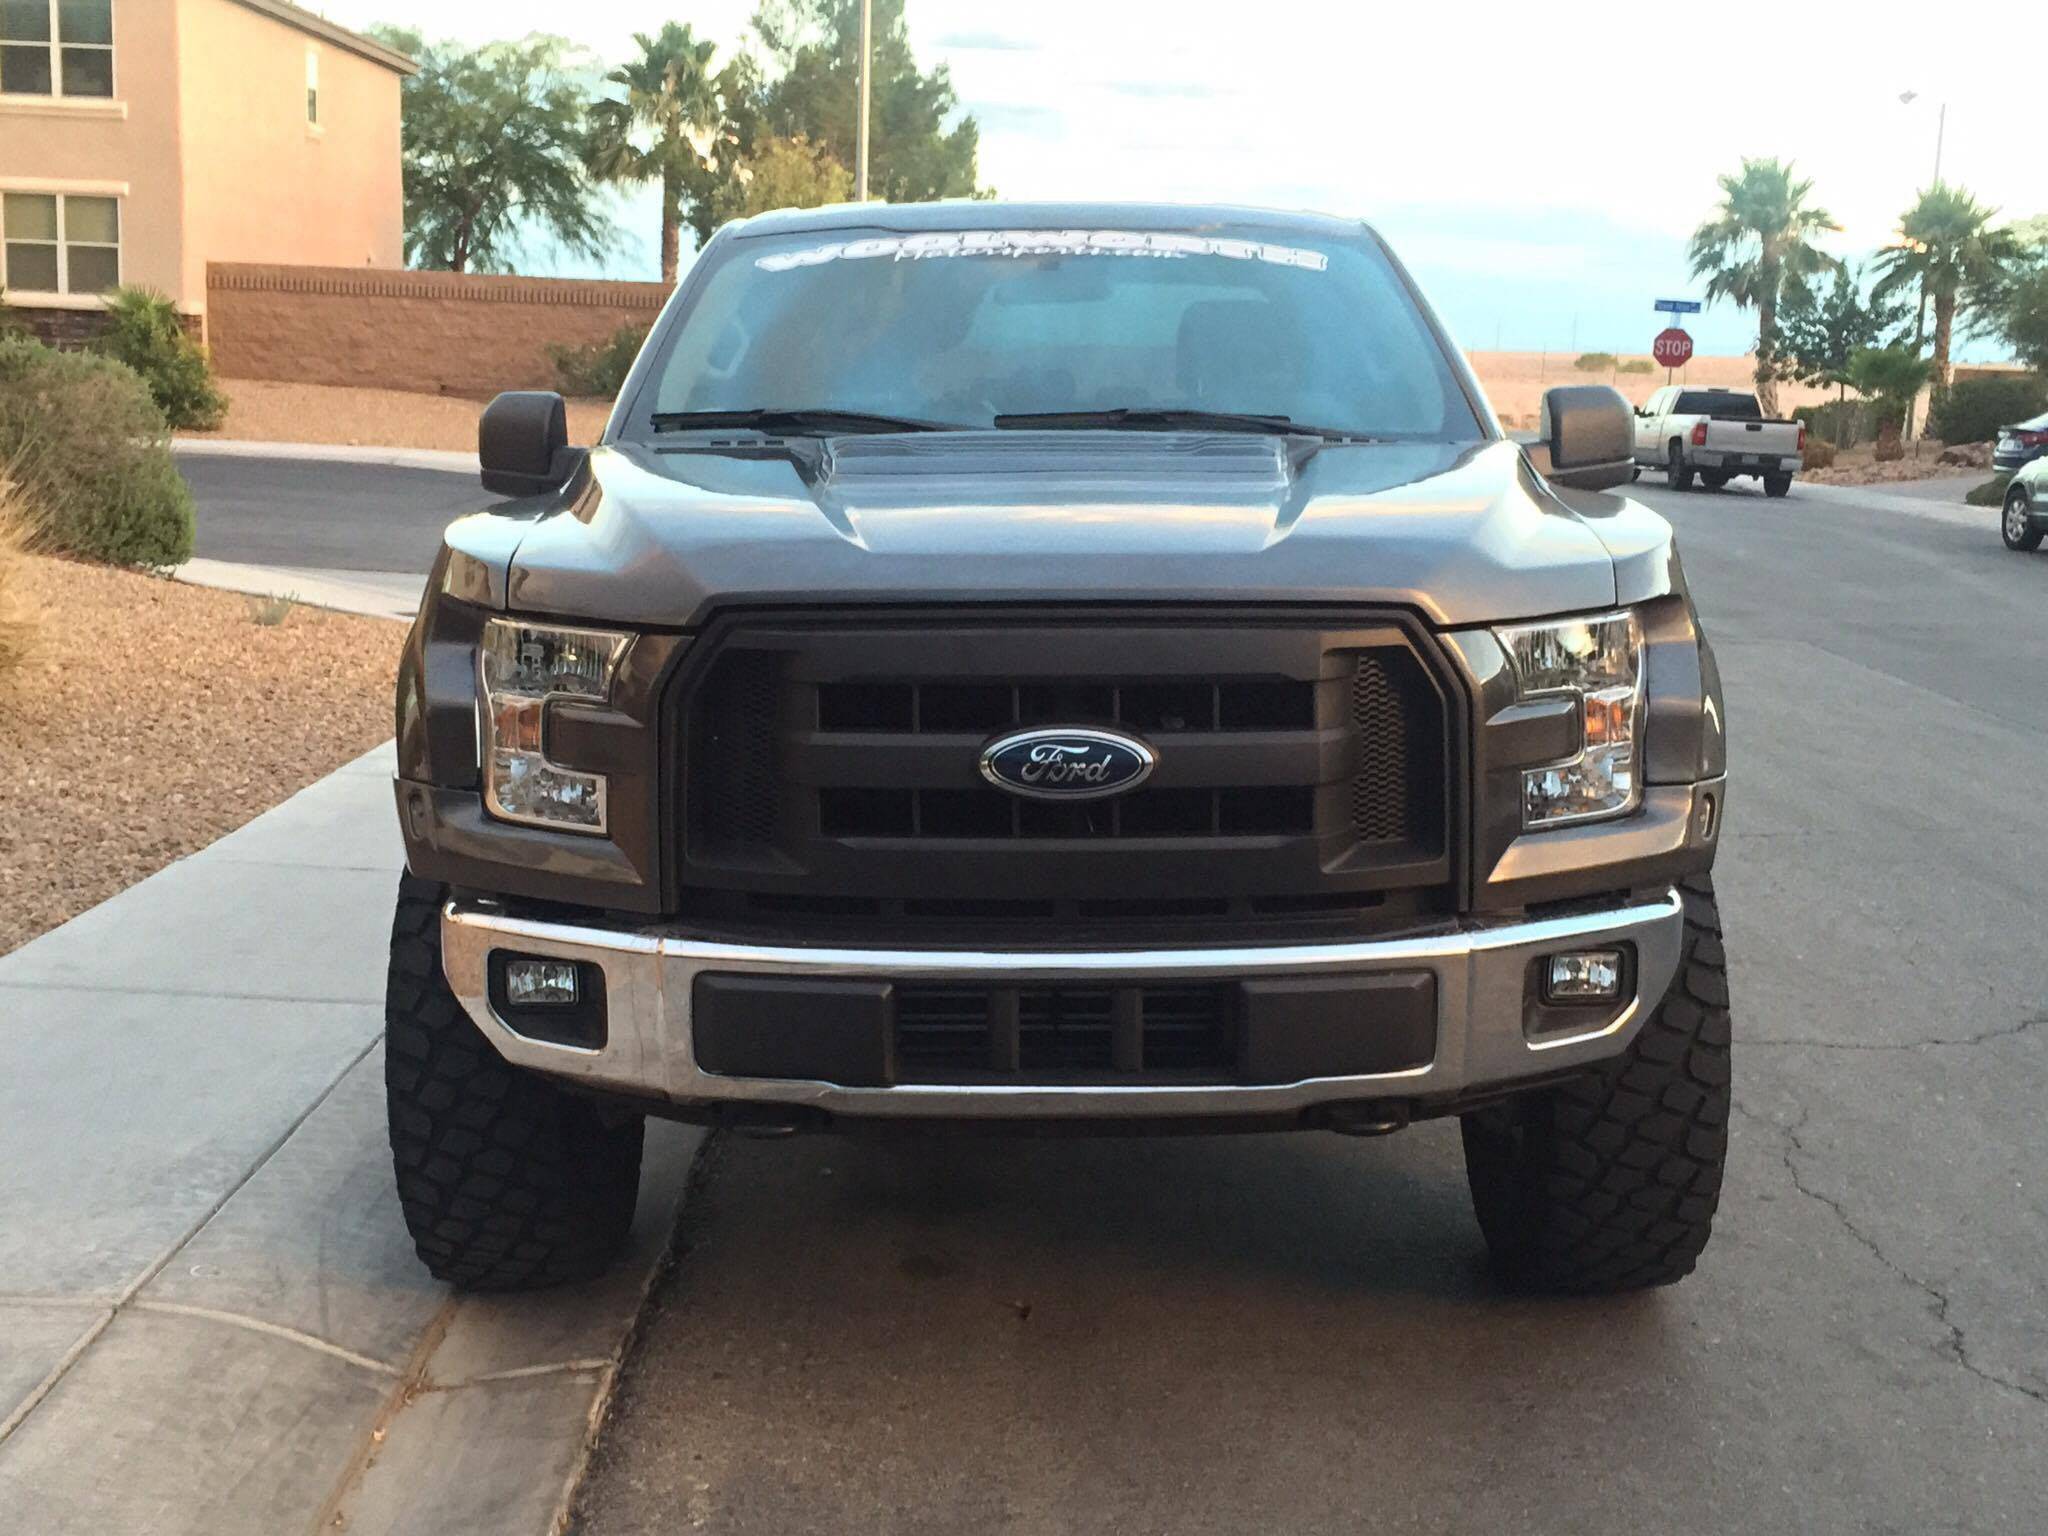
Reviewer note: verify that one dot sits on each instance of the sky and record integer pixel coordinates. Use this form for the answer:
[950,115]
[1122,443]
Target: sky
[1537,167]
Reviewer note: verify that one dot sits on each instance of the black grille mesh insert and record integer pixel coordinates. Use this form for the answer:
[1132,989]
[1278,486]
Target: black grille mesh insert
[732,743]
[1390,708]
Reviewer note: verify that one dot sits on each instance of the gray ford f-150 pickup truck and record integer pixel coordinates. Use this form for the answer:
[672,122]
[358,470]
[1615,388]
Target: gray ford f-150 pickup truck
[1058,667]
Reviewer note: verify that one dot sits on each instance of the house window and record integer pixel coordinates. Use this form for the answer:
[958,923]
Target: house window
[312,88]
[60,242]
[57,48]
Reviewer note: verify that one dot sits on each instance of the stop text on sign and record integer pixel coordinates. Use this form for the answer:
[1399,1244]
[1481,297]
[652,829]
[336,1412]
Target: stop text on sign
[1672,348]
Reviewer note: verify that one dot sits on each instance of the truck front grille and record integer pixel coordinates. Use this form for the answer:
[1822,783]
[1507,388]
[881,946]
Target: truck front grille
[831,768]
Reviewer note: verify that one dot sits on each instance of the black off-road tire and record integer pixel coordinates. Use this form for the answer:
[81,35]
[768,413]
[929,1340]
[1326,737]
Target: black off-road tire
[1777,485]
[1675,467]
[1609,1182]
[508,1181]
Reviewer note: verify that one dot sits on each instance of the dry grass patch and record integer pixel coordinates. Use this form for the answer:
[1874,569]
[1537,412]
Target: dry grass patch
[17,612]
[153,717]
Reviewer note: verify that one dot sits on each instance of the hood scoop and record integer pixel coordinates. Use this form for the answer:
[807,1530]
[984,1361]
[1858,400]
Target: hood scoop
[996,466]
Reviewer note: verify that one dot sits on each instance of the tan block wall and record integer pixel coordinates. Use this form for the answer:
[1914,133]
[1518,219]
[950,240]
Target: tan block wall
[261,183]
[438,332]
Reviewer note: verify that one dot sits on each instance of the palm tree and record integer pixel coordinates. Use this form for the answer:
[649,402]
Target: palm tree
[670,93]
[1757,248]
[1947,249]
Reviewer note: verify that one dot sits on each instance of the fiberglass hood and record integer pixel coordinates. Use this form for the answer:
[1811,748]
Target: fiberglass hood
[1460,533]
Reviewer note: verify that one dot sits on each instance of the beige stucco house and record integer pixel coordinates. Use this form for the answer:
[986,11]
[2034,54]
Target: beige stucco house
[141,139]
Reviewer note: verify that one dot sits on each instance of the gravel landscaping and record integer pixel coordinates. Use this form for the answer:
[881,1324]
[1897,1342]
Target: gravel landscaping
[264,410]
[153,717]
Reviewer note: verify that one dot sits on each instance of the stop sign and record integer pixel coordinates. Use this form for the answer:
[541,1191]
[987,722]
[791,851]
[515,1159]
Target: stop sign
[1672,348]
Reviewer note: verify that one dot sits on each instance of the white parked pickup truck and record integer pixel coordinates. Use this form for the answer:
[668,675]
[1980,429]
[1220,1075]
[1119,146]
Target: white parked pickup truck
[1716,434]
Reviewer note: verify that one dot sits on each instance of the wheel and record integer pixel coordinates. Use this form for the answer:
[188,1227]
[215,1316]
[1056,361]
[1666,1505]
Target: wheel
[1681,477]
[2017,527]
[1713,481]
[508,1182]
[1777,485]
[1609,1182]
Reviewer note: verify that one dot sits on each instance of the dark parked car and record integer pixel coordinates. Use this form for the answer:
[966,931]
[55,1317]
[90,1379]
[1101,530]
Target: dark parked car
[1059,667]
[2020,444]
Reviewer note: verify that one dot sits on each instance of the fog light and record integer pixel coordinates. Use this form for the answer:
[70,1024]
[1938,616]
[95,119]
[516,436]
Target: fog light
[539,983]
[1583,976]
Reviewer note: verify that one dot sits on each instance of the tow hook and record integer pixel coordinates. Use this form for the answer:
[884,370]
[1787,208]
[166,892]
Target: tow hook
[1372,1118]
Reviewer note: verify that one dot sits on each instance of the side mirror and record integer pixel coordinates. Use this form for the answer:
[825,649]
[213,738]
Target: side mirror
[523,443]
[1589,433]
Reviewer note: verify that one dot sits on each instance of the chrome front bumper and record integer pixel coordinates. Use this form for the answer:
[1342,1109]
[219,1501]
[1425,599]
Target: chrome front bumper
[1481,972]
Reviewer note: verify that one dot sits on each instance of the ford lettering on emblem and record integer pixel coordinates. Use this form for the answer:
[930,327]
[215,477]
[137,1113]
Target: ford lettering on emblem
[1075,763]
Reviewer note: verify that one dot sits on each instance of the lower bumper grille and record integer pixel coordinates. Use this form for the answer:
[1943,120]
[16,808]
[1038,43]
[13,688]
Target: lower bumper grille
[942,1032]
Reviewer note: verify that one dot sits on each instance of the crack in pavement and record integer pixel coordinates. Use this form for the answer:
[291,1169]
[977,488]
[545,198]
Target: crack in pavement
[1938,1301]
[2004,1032]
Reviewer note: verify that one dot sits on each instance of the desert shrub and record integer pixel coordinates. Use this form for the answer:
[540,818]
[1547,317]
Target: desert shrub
[1843,423]
[1638,365]
[17,618]
[143,331]
[1595,362]
[1991,493]
[88,448]
[600,368]
[1972,410]
[1819,454]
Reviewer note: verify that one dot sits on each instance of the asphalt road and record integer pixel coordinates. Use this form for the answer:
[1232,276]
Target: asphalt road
[1294,1334]
[324,514]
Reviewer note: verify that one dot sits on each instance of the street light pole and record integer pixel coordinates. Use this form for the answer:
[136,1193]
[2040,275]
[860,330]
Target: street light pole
[867,65]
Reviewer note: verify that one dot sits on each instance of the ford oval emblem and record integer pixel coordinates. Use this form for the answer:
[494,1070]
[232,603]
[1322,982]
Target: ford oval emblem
[1076,763]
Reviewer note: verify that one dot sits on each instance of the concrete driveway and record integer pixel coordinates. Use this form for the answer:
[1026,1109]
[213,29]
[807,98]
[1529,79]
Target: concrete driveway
[1295,1334]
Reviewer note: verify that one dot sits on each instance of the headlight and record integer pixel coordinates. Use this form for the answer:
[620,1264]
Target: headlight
[1597,661]
[524,668]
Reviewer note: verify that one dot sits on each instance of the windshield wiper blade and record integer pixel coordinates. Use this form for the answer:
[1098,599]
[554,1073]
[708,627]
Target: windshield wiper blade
[797,419]
[1168,419]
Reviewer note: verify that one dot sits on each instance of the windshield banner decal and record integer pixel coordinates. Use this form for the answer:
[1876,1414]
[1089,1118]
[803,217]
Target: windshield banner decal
[1043,242]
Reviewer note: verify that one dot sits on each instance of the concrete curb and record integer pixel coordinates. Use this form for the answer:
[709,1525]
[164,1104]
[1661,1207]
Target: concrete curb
[1932,509]
[379,594]
[337,453]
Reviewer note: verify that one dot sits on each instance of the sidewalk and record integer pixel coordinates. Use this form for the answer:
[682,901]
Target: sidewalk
[380,594]
[338,453]
[211,1319]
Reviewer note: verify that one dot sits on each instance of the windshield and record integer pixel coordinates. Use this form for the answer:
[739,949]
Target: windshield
[959,328]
